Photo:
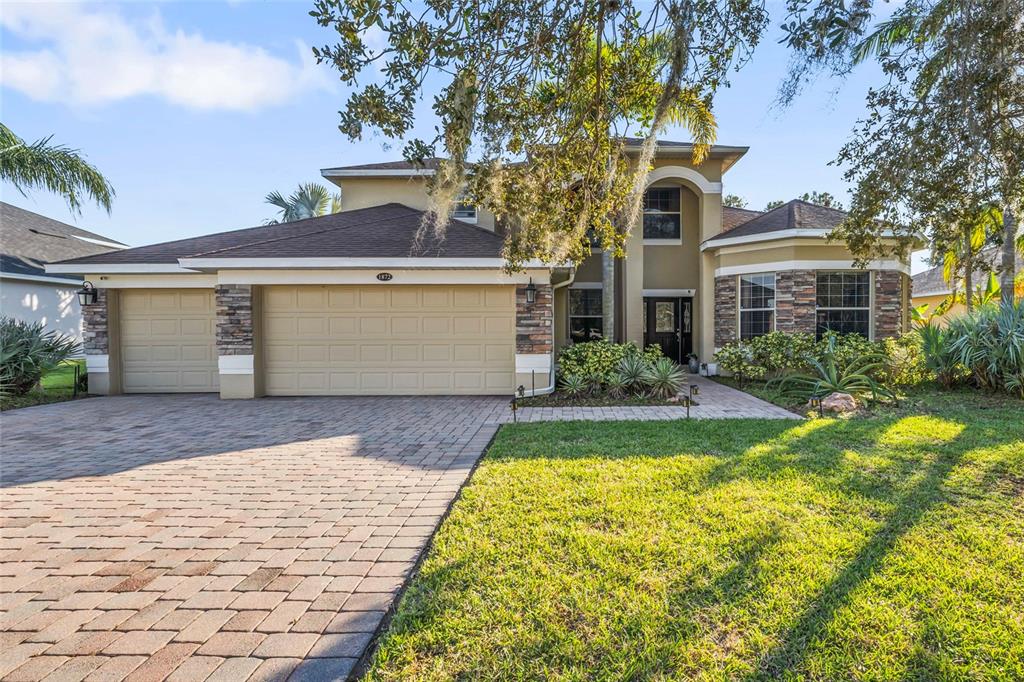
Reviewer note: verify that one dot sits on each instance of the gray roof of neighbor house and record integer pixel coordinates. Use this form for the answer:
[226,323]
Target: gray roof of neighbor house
[931,282]
[794,215]
[387,231]
[28,240]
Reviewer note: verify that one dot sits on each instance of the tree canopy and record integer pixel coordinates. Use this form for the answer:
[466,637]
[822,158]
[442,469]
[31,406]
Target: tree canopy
[539,99]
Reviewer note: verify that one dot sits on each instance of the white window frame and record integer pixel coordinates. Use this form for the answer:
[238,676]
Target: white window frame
[739,302]
[568,306]
[664,242]
[871,299]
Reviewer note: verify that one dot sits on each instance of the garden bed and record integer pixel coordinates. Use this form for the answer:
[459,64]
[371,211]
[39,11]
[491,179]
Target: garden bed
[559,399]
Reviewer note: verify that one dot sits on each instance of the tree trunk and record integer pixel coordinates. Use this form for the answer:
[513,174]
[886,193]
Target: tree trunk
[968,270]
[608,294]
[1008,267]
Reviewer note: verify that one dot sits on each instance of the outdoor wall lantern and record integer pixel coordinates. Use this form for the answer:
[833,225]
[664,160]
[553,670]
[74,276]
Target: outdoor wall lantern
[531,292]
[87,294]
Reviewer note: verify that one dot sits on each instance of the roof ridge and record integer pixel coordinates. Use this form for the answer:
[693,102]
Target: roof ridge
[305,234]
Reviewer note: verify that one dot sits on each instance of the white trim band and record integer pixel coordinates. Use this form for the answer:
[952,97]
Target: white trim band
[782,266]
[682,172]
[41,278]
[377,172]
[112,268]
[236,364]
[533,362]
[99,364]
[682,293]
[384,263]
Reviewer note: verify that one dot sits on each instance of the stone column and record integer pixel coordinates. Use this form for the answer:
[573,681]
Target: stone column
[236,341]
[534,338]
[889,303]
[726,311]
[100,343]
[796,301]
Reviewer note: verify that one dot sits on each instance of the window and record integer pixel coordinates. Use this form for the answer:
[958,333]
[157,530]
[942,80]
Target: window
[662,217]
[465,211]
[585,320]
[757,304]
[844,303]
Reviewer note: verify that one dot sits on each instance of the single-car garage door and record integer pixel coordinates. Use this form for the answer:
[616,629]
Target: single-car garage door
[168,341]
[338,340]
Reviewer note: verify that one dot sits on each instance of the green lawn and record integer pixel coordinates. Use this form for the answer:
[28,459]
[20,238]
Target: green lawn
[56,386]
[890,547]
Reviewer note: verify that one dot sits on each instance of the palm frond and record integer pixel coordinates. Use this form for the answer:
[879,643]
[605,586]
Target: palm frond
[55,168]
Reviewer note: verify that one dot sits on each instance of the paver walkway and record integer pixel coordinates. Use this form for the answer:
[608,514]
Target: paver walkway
[192,538]
[715,401]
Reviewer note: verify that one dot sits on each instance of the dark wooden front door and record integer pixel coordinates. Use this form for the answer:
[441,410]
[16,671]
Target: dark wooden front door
[669,324]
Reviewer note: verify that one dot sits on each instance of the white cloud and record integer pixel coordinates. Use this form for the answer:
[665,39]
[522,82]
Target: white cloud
[91,57]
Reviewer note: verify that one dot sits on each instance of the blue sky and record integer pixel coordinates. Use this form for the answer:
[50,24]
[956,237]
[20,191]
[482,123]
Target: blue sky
[195,110]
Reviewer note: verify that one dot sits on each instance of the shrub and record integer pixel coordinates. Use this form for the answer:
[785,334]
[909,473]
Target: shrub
[989,344]
[616,385]
[601,357]
[828,376]
[738,359]
[665,378]
[905,361]
[779,352]
[27,351]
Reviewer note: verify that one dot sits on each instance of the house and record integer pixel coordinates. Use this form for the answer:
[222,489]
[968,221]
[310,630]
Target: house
[27,292]
[931,288]
[351,304]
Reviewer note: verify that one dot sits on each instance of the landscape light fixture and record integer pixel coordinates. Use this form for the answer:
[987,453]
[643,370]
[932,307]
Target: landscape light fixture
[531,292]
[87,294]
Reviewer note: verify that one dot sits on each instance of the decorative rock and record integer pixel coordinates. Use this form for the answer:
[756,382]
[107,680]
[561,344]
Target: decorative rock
[839,403]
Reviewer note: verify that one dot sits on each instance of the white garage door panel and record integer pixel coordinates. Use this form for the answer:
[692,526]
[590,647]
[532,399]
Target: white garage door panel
[168,341]
[389,339]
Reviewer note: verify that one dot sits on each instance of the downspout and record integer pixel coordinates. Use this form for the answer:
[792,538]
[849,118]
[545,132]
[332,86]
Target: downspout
[550,388]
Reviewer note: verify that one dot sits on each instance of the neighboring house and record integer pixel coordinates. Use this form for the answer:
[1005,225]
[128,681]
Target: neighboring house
[351,304]
[931,287]
[27,292]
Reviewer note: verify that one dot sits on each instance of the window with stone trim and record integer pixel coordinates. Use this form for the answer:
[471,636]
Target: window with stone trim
[844,303]
[663,218]
[757,304]
[586,316]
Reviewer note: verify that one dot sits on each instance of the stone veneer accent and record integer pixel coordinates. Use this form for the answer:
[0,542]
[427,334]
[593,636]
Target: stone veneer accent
[535,327]
[95,335]
[725,310]
[234,319]
[889,297]
[795,301]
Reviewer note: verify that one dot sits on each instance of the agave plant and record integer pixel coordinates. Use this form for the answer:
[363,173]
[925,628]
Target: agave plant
[828,376]
[27,351]
[616,385]
[594,383]
[665,378]
[633,369]
[574,385]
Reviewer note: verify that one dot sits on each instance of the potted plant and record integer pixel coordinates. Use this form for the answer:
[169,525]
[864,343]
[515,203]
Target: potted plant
[694,364]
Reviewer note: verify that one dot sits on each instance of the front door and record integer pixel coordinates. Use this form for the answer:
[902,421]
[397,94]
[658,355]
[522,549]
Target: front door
[668,324]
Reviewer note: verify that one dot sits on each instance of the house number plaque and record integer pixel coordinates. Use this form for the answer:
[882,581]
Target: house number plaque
[384,276]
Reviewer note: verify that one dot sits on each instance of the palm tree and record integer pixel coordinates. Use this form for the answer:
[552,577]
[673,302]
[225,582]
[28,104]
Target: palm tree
[308,201]
[55,168]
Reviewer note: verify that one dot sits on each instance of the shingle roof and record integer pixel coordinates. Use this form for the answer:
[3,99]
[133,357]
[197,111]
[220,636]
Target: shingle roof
[734,217]
[431,163]
[387,231]
[793,215]
[28,240]
[932,283]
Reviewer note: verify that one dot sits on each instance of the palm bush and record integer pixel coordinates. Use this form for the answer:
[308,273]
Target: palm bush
[574,385]
[665,378]
[938,354]
[633,370]
[989,343]
[27,351]
[829,375]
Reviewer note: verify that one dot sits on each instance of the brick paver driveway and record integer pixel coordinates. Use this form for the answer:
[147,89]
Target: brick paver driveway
[192,538]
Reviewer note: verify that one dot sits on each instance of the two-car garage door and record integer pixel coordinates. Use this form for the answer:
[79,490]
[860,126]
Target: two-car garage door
[436,339]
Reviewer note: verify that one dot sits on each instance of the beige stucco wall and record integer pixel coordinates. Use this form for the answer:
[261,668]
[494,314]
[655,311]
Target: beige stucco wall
[366,192]
[676,267]
[590,269]
[711,168]
[933,302]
